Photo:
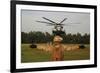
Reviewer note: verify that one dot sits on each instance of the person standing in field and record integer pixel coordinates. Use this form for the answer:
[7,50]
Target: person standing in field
[57,49]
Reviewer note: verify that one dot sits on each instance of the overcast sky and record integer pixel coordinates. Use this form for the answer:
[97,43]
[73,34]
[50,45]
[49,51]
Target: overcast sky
[29,18]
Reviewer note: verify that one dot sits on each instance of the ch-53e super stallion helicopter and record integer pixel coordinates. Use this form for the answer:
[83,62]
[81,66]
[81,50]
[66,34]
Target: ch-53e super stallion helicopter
[57,30]
[58,27]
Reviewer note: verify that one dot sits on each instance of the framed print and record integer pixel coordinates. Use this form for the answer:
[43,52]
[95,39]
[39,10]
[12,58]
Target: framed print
[52,36]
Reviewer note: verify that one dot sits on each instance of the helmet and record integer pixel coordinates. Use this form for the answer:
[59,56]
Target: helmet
[57,39]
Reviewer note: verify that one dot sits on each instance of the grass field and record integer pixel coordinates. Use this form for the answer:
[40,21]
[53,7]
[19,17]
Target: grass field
[36,55]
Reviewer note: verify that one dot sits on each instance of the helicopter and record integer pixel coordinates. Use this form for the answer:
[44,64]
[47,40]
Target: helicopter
[58,27]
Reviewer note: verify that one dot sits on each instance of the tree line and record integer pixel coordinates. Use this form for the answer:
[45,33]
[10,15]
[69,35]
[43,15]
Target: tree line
[40,37]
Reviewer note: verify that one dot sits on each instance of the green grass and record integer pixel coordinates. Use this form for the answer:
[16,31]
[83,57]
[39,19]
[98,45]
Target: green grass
[35,55]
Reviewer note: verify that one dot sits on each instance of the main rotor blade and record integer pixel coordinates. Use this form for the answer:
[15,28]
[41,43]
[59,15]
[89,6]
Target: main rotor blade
[69,23]
[51,25]
[63,20]
[72,23]
[49,20]
[45,22]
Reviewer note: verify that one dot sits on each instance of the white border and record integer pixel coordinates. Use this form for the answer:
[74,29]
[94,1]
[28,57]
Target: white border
[20,65]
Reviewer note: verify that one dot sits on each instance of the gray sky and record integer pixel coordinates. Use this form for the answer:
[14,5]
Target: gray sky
[29,18]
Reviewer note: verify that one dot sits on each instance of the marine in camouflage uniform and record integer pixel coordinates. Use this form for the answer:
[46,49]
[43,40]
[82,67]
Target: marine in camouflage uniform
[57,49]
